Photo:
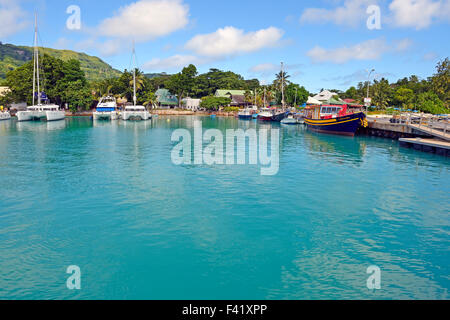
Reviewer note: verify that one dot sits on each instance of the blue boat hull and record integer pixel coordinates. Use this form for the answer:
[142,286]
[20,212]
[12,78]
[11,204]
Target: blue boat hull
[347,125]
[245,117]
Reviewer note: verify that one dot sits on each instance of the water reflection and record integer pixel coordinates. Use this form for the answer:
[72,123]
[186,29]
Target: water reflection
[336,149]
[41,126]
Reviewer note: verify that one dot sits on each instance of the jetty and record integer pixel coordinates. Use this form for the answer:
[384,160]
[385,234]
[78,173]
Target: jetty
[422,132]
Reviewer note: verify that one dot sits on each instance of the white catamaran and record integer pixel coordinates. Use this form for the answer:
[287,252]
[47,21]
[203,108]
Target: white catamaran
[135,112]
[49,112]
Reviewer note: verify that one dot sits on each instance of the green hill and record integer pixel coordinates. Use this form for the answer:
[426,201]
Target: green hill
[12,56]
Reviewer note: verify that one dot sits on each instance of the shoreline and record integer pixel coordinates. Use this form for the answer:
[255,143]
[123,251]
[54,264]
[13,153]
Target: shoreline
[166,113]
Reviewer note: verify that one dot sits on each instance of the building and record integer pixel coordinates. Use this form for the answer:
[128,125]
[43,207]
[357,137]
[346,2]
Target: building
[191,104]
[237,97]
[325,96]
[165,99]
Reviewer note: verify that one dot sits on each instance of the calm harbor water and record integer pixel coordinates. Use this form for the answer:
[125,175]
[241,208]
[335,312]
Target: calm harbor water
[107,198]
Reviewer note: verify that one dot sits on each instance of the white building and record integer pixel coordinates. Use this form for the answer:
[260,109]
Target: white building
[325,95]
[191,104]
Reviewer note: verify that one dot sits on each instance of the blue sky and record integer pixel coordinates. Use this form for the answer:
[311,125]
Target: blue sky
[324,44]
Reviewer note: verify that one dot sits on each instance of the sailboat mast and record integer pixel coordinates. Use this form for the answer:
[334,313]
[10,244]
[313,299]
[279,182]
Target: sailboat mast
[134,75]
[282,84]
[36,59]
[264,98]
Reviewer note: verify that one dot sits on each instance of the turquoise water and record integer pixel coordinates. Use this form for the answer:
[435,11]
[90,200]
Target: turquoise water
[108,199]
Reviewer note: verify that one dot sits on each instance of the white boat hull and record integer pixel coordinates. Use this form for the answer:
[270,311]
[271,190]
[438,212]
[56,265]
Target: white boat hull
[55,115]
[38,115]
[105,116]
[136,115]
[5,116]
[289,121]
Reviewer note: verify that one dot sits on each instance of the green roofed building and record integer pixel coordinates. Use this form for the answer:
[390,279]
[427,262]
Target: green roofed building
[237,97]
[165,99]
[229,93]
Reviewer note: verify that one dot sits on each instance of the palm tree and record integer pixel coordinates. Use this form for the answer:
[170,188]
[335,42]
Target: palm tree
[140,80]
[279,76]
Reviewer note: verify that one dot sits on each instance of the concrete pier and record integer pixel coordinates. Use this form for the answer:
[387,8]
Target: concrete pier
[427,145]
[424,133]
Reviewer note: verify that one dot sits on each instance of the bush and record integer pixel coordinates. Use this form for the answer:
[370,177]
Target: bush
[429,102]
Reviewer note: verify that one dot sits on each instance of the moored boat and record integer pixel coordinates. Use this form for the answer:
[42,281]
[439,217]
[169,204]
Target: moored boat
[4,115]
[290,119]
[106,109]
[334,119]
[135,112]
[246,114]
[265,115]
[49,112]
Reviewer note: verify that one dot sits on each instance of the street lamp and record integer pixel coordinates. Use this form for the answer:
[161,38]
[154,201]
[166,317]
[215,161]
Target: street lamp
[368,82]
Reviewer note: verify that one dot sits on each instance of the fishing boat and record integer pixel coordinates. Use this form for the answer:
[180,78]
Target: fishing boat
[279,115]
[135,112]
[335,119]
[290,120]
[265,115]
[106,109]
[246,114]
[49,112]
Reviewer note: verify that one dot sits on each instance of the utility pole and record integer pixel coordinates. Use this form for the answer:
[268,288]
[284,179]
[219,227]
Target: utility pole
[368,84]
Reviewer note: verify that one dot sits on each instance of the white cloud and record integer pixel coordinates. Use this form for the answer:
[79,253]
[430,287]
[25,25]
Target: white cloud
[351,13]
[230,41]
[403,45]
[430,56]
[105,48]
[62,43]
[146,20]
[264,67]
[418,14]
[12,18]
[367,50]
[171,63]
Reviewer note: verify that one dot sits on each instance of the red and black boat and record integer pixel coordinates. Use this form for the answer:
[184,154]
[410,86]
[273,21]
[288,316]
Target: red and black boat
[335,119]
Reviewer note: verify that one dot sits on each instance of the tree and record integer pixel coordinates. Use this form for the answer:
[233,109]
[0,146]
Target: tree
[382,93]
[404,97]
[281,79]
[183,82]
[441,81]
[78,96]
[214,103]
[429,102]
[296,95]
[351,93]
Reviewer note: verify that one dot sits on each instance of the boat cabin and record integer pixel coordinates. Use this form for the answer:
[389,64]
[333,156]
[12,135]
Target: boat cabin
[49,107]
[135,108]
[330,111]
[107,104]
